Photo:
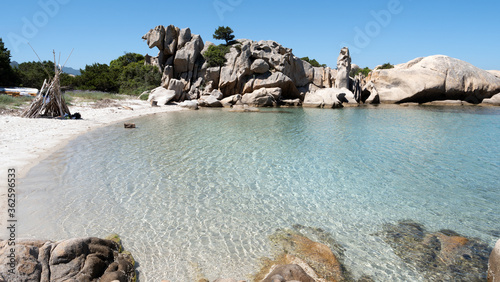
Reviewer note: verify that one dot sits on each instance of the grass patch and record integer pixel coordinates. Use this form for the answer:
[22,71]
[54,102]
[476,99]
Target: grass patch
[92,96]
[7,101]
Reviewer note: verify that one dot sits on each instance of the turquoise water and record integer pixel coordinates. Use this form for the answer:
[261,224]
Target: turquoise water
[199,192]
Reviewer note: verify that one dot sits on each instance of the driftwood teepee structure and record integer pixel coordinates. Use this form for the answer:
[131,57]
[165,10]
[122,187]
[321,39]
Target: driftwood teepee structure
[49,102]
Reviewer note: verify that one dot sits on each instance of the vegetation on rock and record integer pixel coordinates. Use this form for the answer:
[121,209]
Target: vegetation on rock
[365,71]
[386,66]
[215,55]
[313,62]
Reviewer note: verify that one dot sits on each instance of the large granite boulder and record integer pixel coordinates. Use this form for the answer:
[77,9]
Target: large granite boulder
[494,264]
[263,97]
[79,259]
[161,95]
[259,66]
[272,80]
[327,98]
[186,57]
[178,87]
[211,100]
[432,78]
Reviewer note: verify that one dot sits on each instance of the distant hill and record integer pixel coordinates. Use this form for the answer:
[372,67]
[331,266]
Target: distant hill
[67,70]
[72,71]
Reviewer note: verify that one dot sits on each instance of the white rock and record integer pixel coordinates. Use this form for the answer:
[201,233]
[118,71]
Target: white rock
[325,98]
[161,95]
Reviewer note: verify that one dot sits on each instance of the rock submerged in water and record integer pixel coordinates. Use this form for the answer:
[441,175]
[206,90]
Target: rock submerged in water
[439,256]
[299,258]
[78,259]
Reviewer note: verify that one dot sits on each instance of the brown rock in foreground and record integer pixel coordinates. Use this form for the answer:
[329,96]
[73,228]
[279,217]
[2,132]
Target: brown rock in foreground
[78,259]
[302,259]
[439,256]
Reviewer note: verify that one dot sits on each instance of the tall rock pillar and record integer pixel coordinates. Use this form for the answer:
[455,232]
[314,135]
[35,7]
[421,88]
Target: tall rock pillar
[343,69]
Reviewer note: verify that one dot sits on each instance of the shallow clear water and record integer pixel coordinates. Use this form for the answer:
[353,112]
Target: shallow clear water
[199,192]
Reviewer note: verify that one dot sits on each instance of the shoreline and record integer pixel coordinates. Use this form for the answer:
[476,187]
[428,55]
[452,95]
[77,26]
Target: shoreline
[24,142]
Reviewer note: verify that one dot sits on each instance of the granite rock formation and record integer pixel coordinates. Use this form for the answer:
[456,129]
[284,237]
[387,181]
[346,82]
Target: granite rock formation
[78,259]
[253,65]
[249,66]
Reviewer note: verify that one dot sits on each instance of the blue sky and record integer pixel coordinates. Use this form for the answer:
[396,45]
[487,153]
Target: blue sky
[377,32]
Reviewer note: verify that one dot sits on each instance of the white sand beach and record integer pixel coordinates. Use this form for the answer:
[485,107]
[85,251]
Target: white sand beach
[25,142]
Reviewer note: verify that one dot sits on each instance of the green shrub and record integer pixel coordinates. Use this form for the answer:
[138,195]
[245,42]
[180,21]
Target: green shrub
[386,66]
[364,71]
[313,62]
[137,77]
[215,55]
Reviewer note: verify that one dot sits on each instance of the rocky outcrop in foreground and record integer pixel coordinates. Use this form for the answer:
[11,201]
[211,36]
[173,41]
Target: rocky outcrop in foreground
[438,256]
[79,259]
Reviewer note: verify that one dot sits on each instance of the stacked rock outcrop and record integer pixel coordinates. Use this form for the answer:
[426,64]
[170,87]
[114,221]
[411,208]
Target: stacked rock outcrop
[252,65]
[249,66]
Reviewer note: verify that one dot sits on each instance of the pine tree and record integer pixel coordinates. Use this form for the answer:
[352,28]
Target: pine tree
[224,33]
[7,76]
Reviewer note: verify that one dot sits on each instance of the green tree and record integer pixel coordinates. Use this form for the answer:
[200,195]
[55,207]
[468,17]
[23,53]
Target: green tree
[224,33]
[136,77]
[7,75]
[215,55]
[32,74]
[126,59]
[98,77]
[313,62]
